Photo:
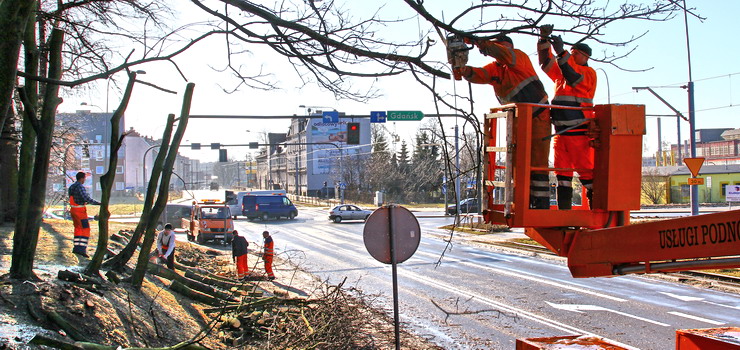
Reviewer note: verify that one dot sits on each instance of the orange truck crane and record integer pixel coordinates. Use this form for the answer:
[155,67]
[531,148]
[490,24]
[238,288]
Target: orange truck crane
[601,241]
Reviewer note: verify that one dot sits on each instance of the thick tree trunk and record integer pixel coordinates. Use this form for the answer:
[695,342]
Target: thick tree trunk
[26,239]
[138,275]
[107,180]
[119,261]
[14,16]
[9,171]
[164,272]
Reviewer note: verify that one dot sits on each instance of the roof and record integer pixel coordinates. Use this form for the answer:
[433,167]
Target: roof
[710,169]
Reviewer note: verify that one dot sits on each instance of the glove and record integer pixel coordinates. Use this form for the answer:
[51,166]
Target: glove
[557,44]
[545,31]
[466,72]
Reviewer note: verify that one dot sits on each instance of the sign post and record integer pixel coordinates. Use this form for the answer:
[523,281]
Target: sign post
[694,165]
[392,235]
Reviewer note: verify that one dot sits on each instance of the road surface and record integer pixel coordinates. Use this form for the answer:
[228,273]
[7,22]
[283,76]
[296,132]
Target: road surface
[482,298]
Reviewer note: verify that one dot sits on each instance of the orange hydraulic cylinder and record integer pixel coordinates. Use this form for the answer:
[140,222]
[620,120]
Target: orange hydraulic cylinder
[725,338]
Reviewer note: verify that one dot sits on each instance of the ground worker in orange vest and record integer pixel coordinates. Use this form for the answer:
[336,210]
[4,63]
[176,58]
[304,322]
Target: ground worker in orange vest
[166,245]
[575,86]
[269,253]
[239,246]
[77,199]
[514,80]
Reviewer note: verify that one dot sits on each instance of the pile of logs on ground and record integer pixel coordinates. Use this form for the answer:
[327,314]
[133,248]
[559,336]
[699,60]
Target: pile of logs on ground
[242,314]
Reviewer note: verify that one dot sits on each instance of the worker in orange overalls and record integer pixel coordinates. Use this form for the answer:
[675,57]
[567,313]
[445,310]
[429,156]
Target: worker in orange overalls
[514,80]
[77,199]
[575,85]
[239,250]
[269,253]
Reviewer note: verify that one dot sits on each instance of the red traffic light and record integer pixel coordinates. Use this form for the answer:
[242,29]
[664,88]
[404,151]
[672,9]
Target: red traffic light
[353,127]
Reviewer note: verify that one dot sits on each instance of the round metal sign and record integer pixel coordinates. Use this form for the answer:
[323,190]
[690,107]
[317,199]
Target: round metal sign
[392,221]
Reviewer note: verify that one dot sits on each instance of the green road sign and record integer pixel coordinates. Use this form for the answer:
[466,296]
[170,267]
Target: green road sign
[404,115]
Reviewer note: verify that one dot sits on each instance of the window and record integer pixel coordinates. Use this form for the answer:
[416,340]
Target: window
[685,190]
[120,186]
[99,170]
[723,189]
[119,169]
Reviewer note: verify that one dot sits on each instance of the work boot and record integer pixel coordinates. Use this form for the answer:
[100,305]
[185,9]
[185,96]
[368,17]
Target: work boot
[565,197]
[540,203]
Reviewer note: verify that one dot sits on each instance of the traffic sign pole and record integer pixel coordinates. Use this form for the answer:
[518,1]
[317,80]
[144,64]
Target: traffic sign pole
[394,269]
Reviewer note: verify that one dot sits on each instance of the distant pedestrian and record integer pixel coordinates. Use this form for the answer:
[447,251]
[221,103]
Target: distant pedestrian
[166,245]
[239,248]
[77,199]
[269,253]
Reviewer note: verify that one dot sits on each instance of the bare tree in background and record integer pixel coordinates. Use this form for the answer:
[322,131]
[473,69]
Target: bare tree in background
[655,185]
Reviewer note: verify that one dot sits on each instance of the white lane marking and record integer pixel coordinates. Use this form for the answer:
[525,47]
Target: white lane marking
[509,272]
[525,314]
[722,305]
[521,312]
[540,279]
[696,318]
[682,297]
[581,308]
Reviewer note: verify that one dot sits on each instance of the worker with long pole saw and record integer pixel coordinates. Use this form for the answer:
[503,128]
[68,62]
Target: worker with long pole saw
[514,80]
[575,86]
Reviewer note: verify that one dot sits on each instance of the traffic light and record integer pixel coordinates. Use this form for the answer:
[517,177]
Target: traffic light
[253,145]
[195,146]
[215,145]
[353,133]
[222,157]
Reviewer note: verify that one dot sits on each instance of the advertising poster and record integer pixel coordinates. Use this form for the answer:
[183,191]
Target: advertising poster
[324,156]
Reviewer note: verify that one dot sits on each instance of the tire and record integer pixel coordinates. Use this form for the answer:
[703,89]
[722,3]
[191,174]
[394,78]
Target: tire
[367,217]
[200,239]
[337,219]
[234,217]
[265,217]
[291,216]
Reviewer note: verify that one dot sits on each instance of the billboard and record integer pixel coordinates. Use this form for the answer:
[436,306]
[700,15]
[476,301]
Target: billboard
[732,193]
[326,157]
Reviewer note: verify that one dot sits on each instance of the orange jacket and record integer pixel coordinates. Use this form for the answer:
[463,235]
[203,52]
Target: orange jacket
[512,75]
[575,85]
[269,246]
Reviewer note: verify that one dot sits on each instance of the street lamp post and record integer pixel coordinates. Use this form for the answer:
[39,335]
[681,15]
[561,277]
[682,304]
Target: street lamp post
[143,166]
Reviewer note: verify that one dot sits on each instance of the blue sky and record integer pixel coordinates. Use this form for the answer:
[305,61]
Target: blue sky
[716,73]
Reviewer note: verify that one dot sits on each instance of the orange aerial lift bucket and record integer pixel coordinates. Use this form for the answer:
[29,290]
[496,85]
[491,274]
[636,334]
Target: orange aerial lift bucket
[600,241]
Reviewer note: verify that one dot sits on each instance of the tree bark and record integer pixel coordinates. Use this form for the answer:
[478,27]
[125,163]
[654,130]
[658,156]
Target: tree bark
[25,239]
[9,170]
[119,261]
[14,18]
[138,275]
[107,180]
[161,271]
[204,298]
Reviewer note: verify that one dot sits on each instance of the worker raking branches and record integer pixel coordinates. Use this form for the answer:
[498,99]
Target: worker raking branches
[514,80]
[269,253]
[575,86]
[78,197]
[239,250]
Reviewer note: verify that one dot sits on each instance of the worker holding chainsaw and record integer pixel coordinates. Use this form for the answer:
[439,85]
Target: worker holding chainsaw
[575,86]
[514,80]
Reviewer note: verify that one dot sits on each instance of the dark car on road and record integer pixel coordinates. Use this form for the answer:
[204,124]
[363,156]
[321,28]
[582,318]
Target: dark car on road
[468,205]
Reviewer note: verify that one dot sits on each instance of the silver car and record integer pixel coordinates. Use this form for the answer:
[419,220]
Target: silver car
[348,212]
